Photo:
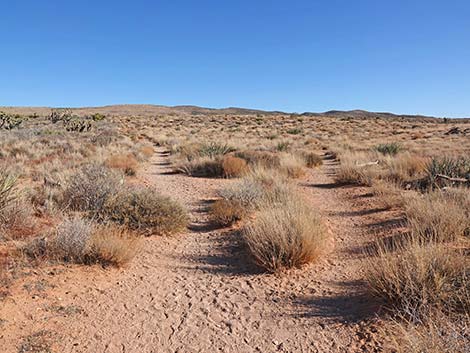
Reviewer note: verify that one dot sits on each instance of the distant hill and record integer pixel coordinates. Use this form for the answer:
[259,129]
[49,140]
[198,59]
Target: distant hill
[154,110]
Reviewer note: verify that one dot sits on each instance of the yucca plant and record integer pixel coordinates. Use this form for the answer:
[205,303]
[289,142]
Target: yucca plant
[451,167]
[389,148]
[214,149]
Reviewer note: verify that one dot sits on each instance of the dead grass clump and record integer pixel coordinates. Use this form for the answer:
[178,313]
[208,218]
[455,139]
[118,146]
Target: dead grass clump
[421,278]
[313,160]
[389,193]
[147,151]
[112,245]
[225,212]
[123,162]
[260,158]
[234,167]
[284,237]
[292,166]
[90,187]
[437,216]
[144,210]
[203,167]
[358,168]
[437,334]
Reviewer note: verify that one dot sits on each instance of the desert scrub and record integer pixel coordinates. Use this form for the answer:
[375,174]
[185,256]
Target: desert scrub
[90,186]
[258,188]
[420,278]
[312,160]
[260,158]
[438,216]
[78,240]
[126,163]
[202,167]
[234,166]
[292,166]
[112,245]
[145,211]
[286,236]
[389,148]
[454,167]
[8,193]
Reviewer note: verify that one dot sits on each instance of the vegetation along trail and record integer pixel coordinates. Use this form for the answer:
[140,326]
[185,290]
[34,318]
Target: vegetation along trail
[197,291]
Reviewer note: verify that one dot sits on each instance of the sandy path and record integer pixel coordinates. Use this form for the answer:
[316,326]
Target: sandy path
[196,292]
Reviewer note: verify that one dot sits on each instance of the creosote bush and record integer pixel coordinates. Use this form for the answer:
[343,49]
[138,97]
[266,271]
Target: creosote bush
[285,236]
[145,211]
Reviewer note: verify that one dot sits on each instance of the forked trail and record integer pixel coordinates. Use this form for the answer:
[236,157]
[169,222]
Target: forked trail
[198,292]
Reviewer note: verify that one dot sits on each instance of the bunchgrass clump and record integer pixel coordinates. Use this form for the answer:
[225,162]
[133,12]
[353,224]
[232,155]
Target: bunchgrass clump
[285,236]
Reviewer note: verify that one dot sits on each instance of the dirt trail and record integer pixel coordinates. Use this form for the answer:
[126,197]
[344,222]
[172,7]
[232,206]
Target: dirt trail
[196,292]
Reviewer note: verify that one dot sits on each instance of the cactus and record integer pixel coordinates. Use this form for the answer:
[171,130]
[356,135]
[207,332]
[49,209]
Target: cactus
[9,121]
[78,125]
[57,115]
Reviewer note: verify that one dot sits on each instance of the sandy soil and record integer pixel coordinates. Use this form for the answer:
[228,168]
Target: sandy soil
[197,292]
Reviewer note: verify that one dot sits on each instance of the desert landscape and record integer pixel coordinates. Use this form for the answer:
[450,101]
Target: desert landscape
[143,228]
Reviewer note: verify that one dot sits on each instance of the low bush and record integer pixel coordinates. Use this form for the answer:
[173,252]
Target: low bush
[389,148]
[458,167]
[89,188]
[144,210]
[225,212]
[421,278]
[202,167]
[234,166]
[260,158]
[111,245]
[126,163]
[313,160]
[286,236]
[437,216]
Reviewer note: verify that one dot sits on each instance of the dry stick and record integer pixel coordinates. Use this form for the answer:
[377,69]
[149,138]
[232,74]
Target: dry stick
[367,164]
[458,180]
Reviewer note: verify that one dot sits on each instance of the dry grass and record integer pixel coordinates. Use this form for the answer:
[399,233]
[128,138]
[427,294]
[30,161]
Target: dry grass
[126,163]
[438,334]
[292,166]
[313,160]
[437,216]
[112,245]
[225,212]
[145,211]
[418,279]
[285,236]
[202,167]
[234,167]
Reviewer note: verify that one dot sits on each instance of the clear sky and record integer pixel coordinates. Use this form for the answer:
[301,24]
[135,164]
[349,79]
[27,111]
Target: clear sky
[380,55]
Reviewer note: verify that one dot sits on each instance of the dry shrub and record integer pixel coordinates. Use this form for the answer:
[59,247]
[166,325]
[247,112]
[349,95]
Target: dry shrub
[78,240]
[389,194]
[202,167]
[234,166]
[112,245]
[123,162]
[313,160]
[363,168]
[437,334]
[225,212]
[144,210]
[285,236]
[147,151]
[292,166]
[437,216]
[89,188]
[70,241]
[260,158]
[420,278]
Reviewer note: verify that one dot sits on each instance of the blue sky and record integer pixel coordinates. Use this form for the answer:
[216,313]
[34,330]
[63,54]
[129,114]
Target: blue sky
[400,56]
